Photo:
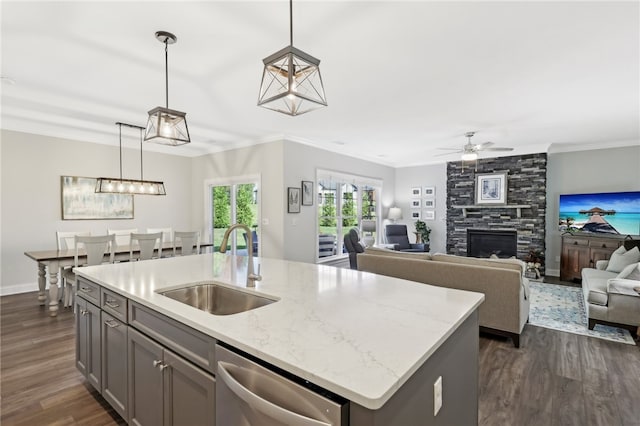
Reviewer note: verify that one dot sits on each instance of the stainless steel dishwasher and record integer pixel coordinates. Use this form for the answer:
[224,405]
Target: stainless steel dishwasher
[248,393]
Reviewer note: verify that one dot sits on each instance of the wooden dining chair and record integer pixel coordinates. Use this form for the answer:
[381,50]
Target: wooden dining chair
[146,244]
[65,240]
[95,248]
[186,243]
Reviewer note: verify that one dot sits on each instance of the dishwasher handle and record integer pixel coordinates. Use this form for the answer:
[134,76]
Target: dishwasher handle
[260,404]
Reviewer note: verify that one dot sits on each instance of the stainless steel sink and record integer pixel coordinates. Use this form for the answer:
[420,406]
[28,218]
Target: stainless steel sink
[217,299]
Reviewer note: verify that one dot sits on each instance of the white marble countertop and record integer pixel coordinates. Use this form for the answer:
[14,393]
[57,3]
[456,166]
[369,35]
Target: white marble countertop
[356,334]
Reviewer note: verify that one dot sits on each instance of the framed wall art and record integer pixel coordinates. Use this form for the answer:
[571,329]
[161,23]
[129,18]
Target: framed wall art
[429,191]
[415,203]
[293,200]
[416,191]
[80,202]
[307,193]
[415,214]
[429,215]
[491,188]
[430,203]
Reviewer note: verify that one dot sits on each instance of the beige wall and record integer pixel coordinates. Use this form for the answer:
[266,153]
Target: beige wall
[31,201]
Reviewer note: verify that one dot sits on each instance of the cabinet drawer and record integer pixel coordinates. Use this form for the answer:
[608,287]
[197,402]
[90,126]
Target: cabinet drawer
[115,304]
[88,291]
[605,244]
[575,241]
[195,346]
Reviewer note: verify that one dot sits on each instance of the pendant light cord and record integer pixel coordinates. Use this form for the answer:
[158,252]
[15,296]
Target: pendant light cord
[166,72]
[141,137]
[291,22]
[120,128]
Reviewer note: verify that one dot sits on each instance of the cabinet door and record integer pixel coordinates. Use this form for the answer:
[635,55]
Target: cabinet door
[114,364]
[94,352]
[601,249]
[145,380]
[81,335]
[574,258]
[189,393]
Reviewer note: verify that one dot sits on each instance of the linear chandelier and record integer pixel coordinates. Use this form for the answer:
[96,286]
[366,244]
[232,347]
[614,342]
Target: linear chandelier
[167,126]
[129,186]
[291,81]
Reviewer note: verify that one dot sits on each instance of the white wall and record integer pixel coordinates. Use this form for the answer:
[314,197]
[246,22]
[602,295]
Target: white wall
[31,201]
[605,170]
[301,162]
[265,160]
[421,176]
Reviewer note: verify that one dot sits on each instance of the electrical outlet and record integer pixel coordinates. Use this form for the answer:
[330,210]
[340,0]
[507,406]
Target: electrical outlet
[437,396]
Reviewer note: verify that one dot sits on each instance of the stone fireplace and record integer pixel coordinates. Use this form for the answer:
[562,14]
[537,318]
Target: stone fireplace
[526,186]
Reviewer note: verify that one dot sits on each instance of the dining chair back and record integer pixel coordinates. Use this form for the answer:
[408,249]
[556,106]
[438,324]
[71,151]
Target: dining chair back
[66,240]
[123,236]
[147,244]
[167,233]
[95,248]
[186,243]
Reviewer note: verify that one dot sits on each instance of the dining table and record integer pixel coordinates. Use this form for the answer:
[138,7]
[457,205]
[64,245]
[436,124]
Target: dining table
[52,261]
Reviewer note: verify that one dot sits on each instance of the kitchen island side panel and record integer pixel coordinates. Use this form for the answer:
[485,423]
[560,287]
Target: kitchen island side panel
[456,361]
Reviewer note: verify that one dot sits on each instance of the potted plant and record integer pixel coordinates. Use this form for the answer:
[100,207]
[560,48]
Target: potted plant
[423,230]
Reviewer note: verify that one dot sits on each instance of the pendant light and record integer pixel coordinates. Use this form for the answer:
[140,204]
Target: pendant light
[291,81]
[167,126]
[129,186]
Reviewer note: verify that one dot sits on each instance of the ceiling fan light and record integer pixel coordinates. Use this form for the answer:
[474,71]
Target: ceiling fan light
[469,156]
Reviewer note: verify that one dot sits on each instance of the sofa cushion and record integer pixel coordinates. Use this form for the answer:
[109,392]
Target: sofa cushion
[631,272]
[622,258]
[514,264]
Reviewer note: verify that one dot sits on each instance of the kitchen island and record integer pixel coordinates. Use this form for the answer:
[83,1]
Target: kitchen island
[379,342]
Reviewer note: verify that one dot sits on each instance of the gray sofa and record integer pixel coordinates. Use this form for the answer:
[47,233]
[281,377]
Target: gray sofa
[505,310]
[610,300]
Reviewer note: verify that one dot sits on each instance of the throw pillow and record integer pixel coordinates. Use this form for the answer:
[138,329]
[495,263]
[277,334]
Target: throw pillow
[621,258]
[628,270]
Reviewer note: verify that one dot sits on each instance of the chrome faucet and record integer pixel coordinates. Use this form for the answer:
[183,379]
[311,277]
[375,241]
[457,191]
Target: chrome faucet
[251,276]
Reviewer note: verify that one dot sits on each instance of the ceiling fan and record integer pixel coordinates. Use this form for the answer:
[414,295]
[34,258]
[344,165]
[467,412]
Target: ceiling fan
[470,151]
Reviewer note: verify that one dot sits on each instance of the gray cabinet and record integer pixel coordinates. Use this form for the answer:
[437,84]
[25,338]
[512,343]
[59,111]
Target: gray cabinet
[164,388]
[88,342]
[114,363]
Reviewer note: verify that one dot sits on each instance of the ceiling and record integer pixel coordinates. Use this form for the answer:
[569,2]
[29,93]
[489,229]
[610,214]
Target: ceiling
[402,79]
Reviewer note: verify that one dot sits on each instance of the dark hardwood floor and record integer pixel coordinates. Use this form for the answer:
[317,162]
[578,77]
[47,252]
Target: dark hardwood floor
[553,379]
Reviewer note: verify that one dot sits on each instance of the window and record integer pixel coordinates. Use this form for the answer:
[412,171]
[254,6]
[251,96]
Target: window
[234,200]
[344,201]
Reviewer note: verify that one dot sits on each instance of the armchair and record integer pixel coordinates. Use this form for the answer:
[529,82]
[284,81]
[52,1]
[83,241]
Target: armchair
[397,235]
[354,246]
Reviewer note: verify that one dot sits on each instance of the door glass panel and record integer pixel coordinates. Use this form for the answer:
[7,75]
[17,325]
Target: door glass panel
[221,196]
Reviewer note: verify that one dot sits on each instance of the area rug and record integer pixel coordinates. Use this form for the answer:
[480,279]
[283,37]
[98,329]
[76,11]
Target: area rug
[561,308]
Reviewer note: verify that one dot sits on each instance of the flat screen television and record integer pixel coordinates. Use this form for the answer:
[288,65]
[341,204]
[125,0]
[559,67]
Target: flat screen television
[601,213]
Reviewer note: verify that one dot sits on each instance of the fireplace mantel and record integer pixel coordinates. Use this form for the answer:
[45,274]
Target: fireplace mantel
[517,207]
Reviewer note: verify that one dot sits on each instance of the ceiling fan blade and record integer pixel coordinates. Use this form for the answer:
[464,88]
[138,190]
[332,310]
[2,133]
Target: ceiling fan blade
[484,145]
[447,153]
[498,149]
[451,149]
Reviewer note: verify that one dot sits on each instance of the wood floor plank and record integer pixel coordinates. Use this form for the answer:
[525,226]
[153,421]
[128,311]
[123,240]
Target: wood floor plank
[554,378]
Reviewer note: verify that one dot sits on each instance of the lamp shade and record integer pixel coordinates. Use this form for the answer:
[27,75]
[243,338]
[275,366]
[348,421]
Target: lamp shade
[368,226]
[167,126]
[395,213]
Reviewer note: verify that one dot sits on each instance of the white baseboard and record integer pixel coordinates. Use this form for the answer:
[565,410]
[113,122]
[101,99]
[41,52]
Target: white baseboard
[18,288]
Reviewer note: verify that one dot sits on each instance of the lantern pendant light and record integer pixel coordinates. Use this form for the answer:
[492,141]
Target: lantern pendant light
[129,186]
[167,126]
[291,81]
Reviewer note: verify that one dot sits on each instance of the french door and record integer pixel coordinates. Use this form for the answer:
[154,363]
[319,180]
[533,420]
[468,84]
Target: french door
[229,201]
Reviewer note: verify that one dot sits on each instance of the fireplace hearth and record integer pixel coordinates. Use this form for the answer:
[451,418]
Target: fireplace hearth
[486,242]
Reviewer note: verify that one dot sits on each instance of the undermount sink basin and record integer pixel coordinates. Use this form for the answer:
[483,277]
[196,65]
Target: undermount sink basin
[217,299]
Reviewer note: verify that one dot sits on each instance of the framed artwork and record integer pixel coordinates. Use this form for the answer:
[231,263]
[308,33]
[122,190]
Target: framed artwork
[416,191]
[293,200]
[429,215]
[415,214]
[430,203]
[307,193]
[491,188]
[80,202]
[415,203]
[429,191]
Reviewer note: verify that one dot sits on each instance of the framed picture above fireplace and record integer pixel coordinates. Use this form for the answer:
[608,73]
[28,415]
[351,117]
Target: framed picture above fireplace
[491,188]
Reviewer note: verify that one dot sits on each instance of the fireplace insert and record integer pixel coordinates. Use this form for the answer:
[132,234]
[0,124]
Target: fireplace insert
[485,242]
